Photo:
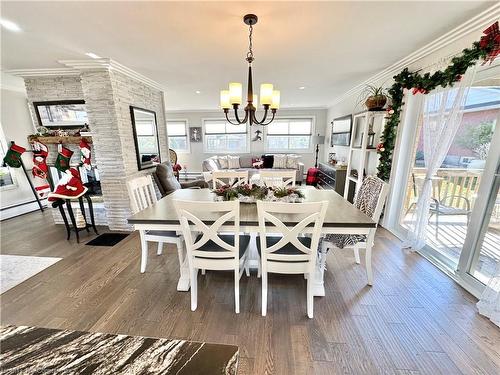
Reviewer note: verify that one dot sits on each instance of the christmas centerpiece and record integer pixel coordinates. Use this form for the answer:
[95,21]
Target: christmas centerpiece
[251,193]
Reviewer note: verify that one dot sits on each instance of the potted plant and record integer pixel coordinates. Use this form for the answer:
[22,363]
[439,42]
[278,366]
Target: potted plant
[375,97]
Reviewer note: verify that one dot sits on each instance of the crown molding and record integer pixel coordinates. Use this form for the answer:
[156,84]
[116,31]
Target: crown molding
[212,110]
[109,64]
[482,20]
[48,72]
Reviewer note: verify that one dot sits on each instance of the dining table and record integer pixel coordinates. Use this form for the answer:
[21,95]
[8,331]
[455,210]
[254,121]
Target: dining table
[342,217]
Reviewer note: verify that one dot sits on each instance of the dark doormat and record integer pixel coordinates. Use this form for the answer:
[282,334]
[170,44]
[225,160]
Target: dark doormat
[107,239]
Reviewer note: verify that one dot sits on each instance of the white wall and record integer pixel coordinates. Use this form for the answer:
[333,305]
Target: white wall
[16,126]
[194,158]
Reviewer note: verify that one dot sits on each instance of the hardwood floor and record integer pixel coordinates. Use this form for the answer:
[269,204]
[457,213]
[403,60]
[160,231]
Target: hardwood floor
[414,320]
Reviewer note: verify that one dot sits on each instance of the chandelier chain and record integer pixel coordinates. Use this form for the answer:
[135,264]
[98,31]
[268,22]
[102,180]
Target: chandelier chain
[250,45]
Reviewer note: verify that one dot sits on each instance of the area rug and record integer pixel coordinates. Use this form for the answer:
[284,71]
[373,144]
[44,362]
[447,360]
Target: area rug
[32,350]
[107,239]
[14,269]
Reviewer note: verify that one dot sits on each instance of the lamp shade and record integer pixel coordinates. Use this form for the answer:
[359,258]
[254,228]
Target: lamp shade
[266,94]
[276,100]
[318,139]
[224,99]
[235,92]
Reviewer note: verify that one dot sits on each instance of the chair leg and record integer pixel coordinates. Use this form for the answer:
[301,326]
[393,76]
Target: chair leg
[237,290]
[437,225]
[310,298]
[264,293]
[368,261]
[356,254]
[247,267]
[160,248]
[259,268]
[203,272]
[144,251]
[194,289]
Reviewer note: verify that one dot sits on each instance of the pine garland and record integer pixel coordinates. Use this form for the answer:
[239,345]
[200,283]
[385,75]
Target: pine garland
[484,49]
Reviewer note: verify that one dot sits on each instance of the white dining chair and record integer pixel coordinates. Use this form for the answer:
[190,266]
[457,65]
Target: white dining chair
[275,178]
[218,246]
[142,195]
[289,252]
[370,200]
[232,178]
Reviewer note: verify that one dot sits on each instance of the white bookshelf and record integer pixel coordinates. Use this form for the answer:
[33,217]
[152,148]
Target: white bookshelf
[363,156]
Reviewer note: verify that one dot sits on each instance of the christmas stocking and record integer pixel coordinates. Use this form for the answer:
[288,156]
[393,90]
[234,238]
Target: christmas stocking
[63,158]
[13,156]
[40,153]
[85,155]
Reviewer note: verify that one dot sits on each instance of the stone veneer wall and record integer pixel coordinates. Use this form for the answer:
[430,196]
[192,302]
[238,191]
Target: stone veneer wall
[108,96]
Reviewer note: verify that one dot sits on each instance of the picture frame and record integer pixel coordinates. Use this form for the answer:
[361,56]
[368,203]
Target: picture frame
[341,131]
[61,114]
[195,134]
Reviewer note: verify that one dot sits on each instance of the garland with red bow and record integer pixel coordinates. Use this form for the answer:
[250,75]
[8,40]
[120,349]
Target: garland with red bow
[486,49]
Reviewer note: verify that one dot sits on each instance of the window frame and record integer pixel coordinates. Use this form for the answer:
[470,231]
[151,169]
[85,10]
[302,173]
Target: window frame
[186,127]
[311,147]
[205,150]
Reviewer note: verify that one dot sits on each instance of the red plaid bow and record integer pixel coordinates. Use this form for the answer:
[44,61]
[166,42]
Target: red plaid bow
[492,33]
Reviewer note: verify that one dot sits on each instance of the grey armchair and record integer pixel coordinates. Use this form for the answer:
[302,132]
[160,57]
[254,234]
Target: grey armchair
[167,182]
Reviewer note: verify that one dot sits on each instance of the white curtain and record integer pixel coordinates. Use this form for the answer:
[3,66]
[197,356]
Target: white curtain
[489,304]
[441,115]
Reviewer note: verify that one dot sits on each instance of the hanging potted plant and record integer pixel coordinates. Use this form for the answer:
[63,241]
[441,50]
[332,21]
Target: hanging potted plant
[375,98]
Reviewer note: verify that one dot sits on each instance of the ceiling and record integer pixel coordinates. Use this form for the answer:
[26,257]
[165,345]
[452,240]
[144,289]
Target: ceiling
[327,47]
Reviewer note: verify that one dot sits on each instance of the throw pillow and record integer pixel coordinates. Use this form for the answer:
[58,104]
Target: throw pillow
[233,162]
[268,161]
[292,161]
[216,160]
[280,161]
[246,161]
[224,162]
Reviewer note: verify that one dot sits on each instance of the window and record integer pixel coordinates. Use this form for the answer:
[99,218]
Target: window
[220,136]
[292,134]
[178,135]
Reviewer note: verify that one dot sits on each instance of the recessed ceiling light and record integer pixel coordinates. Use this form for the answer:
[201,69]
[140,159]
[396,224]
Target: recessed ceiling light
[302,87]
[93,55]
[9,25]
[198,91]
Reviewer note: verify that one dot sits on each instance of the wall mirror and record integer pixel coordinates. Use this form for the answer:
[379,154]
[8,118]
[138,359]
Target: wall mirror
[147,144]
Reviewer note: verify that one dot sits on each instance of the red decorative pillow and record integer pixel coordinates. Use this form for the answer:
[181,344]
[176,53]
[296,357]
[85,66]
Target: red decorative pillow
[257,163]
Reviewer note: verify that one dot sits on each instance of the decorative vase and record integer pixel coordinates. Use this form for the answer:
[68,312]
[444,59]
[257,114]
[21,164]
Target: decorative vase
[375,103]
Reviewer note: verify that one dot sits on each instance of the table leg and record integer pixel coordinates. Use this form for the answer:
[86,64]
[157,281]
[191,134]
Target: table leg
[65,219]
[91,211]
[184,283]
[73,221]
[82,208]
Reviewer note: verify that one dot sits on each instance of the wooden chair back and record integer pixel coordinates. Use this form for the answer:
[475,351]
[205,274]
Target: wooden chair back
[275,178]
[141,192]
[232,178]
[269,222]
[225,214]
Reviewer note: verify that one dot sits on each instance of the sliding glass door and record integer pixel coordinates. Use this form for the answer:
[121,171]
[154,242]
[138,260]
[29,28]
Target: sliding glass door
[463,231]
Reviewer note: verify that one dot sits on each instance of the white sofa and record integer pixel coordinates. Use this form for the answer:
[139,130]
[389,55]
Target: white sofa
[245,163]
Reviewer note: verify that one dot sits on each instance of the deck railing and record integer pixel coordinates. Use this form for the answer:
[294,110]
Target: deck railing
[448,185]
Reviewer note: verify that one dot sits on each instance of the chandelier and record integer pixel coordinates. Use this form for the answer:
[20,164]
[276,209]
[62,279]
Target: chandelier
[269,98]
